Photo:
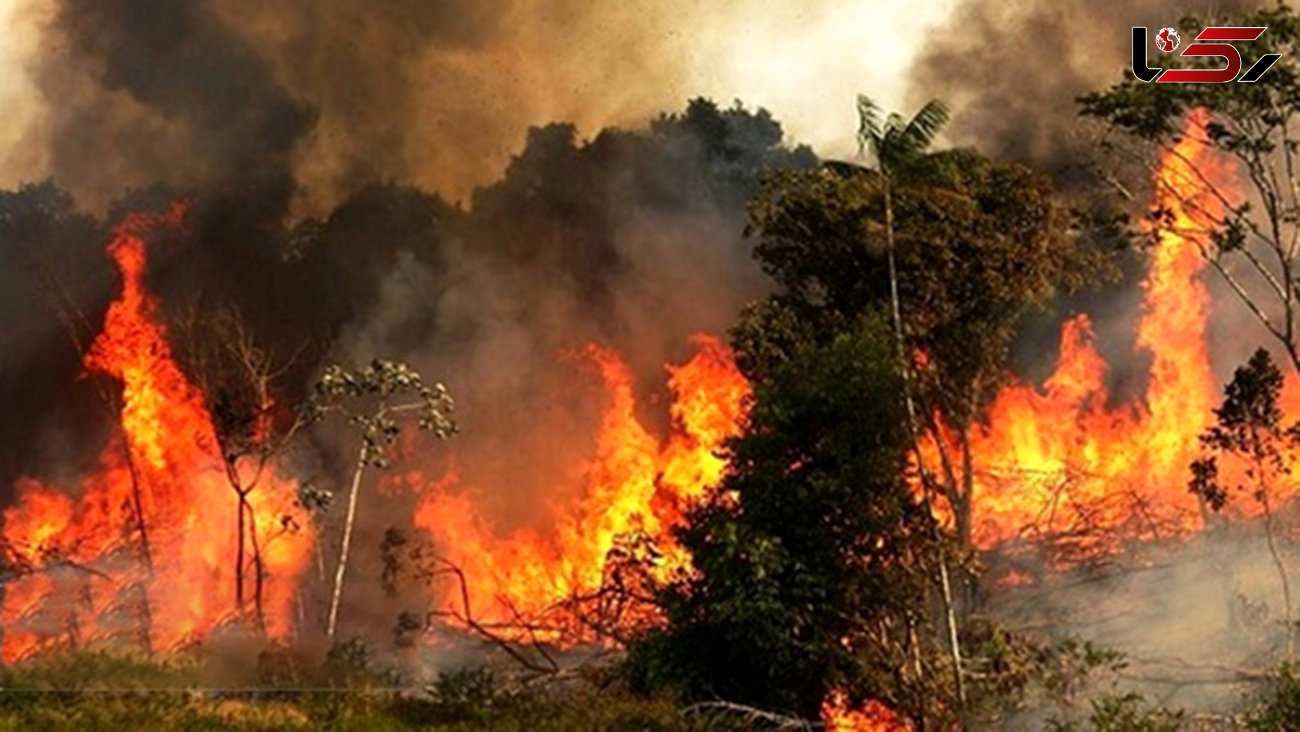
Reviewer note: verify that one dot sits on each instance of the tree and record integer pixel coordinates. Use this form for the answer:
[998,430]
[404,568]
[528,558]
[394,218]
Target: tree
[236,379]
[954,247]
[975,244]
[373,399]
[898,149]
[1254,249]
[812,560]
[1249,428]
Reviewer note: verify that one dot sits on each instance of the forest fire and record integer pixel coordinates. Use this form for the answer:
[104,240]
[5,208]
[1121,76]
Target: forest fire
[1050,462]
[635,487]
[141,549]
[145,548]
[1062,463]
[148,546]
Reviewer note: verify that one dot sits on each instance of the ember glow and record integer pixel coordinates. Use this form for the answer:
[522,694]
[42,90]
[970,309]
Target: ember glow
[173,582]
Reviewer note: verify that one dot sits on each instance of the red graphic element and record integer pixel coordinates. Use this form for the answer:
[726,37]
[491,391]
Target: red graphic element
[1232,33]
[1167,39]
[1224,51]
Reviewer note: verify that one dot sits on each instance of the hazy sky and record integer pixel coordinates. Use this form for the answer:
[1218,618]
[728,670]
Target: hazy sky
[614,63]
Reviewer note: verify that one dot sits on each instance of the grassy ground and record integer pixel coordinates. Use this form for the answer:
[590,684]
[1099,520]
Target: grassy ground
[111,690]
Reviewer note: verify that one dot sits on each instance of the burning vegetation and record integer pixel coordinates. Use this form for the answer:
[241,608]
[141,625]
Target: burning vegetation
[738,439]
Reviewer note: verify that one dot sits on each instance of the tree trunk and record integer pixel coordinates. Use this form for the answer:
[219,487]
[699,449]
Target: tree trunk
[137,507]
[346,544]
[1289,612]
[954,643]
[239,550]
[259,569]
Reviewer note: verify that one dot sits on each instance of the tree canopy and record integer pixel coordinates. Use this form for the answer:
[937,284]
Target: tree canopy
[812,560]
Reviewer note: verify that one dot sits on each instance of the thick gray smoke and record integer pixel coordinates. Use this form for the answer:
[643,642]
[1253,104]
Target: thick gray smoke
[1012,71]
[343,93]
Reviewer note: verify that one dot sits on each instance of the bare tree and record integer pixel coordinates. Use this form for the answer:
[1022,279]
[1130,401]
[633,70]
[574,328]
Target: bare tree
[373,399]
[237,379]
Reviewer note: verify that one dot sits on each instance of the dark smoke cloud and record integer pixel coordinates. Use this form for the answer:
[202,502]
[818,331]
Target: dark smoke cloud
[140,92]
[337,92]
[1012,71]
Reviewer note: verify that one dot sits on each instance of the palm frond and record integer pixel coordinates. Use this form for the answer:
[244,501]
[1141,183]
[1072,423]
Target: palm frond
[893,140]
[924,126]
[868,123]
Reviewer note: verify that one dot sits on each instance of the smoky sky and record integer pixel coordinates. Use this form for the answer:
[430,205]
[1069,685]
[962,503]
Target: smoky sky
[1012,71]
[343,93]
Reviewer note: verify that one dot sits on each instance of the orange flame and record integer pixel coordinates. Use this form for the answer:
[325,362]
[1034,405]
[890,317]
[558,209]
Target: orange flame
[163,467]
[635,485]
[870,717]
[1051,461]
[1062,462]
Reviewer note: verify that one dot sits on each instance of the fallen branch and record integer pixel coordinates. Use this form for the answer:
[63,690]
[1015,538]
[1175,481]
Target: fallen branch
[752,715]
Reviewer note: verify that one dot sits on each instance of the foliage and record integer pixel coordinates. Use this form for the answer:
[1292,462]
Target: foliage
[1249,430]
[813,559]
[365,397]
[107,691]
[895,143]
[1125,713]
[1011,671]
[1250,427]
[977,243]
[1277,706]
[372,399]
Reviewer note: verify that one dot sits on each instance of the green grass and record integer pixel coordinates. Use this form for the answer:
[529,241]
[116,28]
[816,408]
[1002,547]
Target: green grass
[114,690]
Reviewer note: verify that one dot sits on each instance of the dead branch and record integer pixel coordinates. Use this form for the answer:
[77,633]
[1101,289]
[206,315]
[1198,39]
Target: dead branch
[752,715]
[465,617]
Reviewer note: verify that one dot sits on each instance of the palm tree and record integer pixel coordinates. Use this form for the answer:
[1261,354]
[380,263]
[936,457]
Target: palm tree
[898,147]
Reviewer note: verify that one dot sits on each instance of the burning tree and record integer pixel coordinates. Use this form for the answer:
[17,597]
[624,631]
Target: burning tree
[236,378]
[973,244]
[373,399]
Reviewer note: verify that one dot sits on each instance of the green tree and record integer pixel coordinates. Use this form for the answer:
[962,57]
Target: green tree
[812,561]
[1277,706]
[951,246]
[1253,246]
[956,250]
[1125,713]
[1249,429]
